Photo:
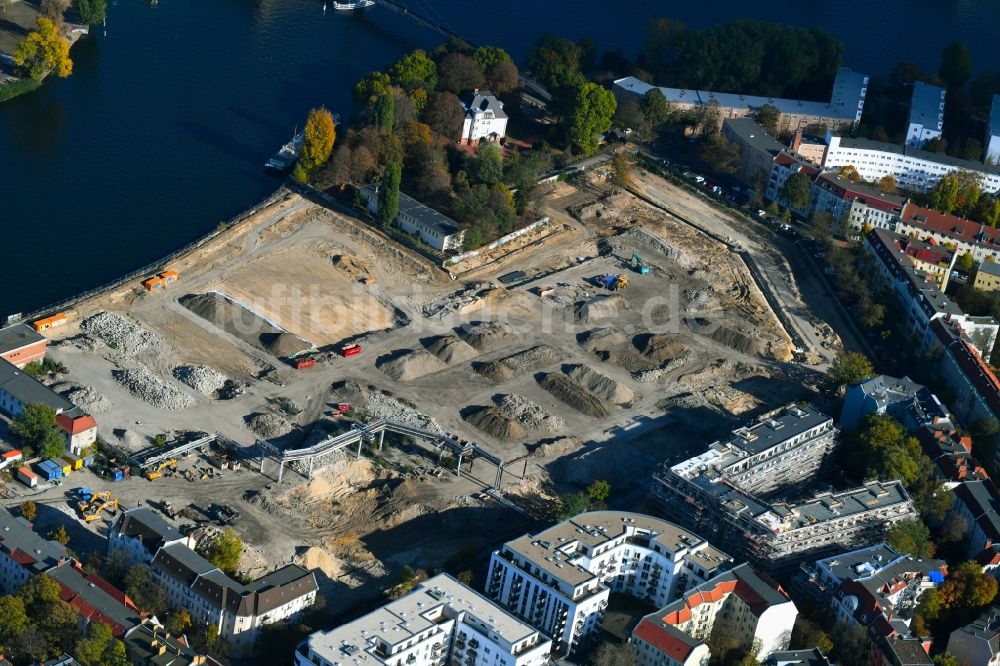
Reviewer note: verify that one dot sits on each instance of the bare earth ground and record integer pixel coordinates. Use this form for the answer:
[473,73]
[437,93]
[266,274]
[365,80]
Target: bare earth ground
[575,383]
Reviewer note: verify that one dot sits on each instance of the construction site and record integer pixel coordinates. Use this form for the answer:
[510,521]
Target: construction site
[347,404]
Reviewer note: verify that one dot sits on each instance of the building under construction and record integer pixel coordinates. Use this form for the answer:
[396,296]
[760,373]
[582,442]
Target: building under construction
[729,494]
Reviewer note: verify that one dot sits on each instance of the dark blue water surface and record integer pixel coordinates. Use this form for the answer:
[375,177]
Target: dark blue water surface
[162,129]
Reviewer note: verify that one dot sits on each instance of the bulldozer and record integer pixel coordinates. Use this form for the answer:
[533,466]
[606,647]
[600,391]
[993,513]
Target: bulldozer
[157,471]
[640,266]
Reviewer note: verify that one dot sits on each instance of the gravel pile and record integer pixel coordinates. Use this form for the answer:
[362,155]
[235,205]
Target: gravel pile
[651,376]
[89,400]
[495,371]
[529,414]
[574,395]
[530,360]
[601,385]
[488,335]
[451,349]
[410,365]
[382,406]
[232,389]
[495,424]
[203,379]
[267,425]
[146,386]
[119,333]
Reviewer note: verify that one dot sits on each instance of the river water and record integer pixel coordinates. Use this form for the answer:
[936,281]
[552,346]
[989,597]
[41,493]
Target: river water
[163,128]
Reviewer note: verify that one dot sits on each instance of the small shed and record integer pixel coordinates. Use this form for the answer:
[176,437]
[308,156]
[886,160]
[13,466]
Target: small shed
[75,461]
[65,467]
[152,283]
[27,477]
[169,277]
[56,320]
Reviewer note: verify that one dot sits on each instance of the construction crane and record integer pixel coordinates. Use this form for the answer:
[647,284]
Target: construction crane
[639,265]
[157,471]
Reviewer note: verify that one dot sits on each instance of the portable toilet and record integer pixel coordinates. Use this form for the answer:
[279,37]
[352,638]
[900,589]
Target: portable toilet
[27,477]
[117,474]
[75,461]
[62,467]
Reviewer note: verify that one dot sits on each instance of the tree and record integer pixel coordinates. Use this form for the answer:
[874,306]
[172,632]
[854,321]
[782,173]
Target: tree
[369,88]
[796,191]
[945,659]
[488,164]
[53,9]
[144,590]
[95,649]
[29,510]
[59,534]
[936,145]
[573,504]
[118,656]
[318,139]
[655,107]
[445,116]
[554,61]
[599,491]
[967,588]
[211,637]
[413,71]
[767,116]
[807,634]
[458,72]
[225,551]
[179,622]
[13,618]
[466,577]
[965,263]
[724,156]
[614,654]
[850,172]
[43,51]
[488,56]
[956,65]
[92,11]
[850,368]
[911,537]
[621,173]
[384,111]
[37,430]
[502,77]
[955,528]
[388,194]
[590,112]
[944,194]
[887,184]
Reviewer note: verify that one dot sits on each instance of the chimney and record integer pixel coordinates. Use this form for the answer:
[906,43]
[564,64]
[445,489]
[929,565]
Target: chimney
[475,91]
[796,141]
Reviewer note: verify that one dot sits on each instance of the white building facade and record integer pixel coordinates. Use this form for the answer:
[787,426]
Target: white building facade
[440,622]
[926,114]
[992,155]
[559,580]
[485,119]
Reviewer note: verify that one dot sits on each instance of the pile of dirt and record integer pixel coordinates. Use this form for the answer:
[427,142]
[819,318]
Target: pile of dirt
[659,347]
[203,379]
[495,371]
[89,400]
[487,335]
[240,322]
[354,266]
[283,344]
[599,310]
[495,424]
[600,385]
[318,559]
[149,388]
[529,414]
[560,446]
[452,349]
[351,391]
[383,406]
[267,425]
[730,337]
[604,340]
[574,395]
[410,365]
[531,359]
[121,334]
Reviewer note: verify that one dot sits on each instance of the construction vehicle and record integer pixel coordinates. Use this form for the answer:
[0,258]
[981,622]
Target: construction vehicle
[157,472]
[93,512]
[611,282]
[350,350]
[639,265]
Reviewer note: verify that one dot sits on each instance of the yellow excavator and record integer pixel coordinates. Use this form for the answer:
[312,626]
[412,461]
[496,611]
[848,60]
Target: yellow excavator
[157,471]
[91,511]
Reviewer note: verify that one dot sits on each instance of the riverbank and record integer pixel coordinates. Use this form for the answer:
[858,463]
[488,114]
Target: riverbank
[17,21]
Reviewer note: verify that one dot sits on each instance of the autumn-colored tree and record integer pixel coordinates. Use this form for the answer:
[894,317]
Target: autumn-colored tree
[43,51]
[60,535]
[225,551]
[850,172]
[502,77]
[599,491]
[53,9]
[179,622]
[887,184]
[967,587]
[458,72]
[621,173]
[319,136]
[29,510]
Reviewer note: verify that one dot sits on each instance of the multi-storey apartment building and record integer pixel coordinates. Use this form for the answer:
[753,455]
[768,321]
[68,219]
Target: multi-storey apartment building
[746,607]
[784,449]
[911,404]
[992,154]
[440,622]
[979,641]
[720,494]
[963,236]
[926,114]
[854,206]
[913,168]
[194,584]
[847,101]
[24,553]
[559,580]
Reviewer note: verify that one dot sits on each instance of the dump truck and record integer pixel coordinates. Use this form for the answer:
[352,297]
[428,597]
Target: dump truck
[157,472]
[303,363]
[350,350]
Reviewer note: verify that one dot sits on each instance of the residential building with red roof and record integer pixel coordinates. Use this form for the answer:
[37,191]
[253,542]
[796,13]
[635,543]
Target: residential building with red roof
[784,165]
[746,606]
[80,430]
[959,234]
[20,345]
[951,452]
[853,206]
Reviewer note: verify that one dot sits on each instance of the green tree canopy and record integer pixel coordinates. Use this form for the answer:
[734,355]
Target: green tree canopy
[13,618]
[488,163]
[956,65]
[388,194]
[965,263]
[599,491]
[655,107]
[384,111]
[225,551]
[555,61]
[797,191]
[850,368]
[43,51]
[370,87]
[488,56]
[458,72]
[767,116]
[144,590]
[590,110]
[415,70]
[37,430]
[911,537]
[92,11]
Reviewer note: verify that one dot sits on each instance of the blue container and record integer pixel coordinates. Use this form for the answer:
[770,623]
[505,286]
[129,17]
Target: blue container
[58,468]
[47,470]
[117,475]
